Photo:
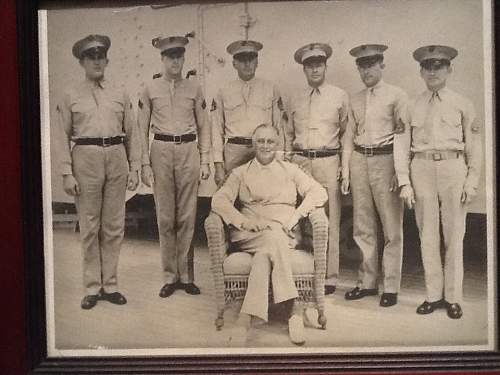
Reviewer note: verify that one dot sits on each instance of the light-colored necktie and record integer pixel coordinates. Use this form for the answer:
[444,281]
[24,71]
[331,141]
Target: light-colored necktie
[429,117]
[369,98]
[172,87]
[245,90]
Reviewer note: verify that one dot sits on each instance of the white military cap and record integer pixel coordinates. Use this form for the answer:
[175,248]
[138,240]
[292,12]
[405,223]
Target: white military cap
[321,50]
[244,46]
[366,50]
[435,52]
[164,44]
[368,54]
[91,42]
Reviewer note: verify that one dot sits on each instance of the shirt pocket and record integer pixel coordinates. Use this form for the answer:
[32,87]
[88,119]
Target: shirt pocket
[233,108]
[358,116]
[82,106]
[451,124]
[160,102]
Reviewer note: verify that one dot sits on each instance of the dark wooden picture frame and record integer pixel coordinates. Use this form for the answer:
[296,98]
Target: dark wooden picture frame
[39,362]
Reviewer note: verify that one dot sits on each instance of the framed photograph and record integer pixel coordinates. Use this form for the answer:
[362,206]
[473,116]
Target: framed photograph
[108,88]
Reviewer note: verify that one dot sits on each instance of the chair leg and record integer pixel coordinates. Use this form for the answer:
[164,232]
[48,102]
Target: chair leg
[219,322]
[321,319]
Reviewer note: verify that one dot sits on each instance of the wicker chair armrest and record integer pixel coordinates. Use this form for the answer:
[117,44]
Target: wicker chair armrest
[319,223]
[214,229]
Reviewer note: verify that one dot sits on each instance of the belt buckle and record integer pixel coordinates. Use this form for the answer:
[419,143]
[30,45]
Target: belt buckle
[436,156]
[369,153]
[177,139]
[106,142]
[312,154]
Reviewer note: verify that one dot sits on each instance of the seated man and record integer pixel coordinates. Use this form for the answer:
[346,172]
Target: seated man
[267,189]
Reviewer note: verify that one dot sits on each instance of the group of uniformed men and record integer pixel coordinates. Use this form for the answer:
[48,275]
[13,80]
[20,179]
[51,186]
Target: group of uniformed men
[375,144]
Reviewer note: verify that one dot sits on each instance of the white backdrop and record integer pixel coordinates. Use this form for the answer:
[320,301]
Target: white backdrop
[282,27]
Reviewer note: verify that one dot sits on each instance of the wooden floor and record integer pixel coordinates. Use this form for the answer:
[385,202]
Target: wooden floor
[184,321]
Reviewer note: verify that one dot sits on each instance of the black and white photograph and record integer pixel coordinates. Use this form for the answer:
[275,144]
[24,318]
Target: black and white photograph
[268,177]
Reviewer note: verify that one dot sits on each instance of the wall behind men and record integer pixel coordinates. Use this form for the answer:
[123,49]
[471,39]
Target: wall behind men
[282,27]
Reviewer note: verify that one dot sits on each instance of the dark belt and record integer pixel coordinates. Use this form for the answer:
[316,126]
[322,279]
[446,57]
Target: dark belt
[240,141]
[312,154]
[104,142]
[371,151]
[184,138]
[437,155]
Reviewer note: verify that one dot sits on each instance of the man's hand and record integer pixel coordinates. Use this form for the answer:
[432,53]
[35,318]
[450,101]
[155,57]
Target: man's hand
[255,225]
[220,174]
[205,171]
[468,194]
[407,195]
[394,184]
[71,185]
[147,176]
[345,182]
[132,180]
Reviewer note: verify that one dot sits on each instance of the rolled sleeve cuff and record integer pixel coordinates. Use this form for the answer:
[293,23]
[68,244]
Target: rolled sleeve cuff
[66,169]
[145,160]
[403,180]
[204,158]
[218,158]
[134,165]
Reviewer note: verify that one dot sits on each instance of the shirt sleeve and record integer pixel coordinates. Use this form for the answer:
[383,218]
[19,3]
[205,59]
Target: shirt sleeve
[314,195]
[133,141]
[347,142]
[203,126]
[473,147]
[402,138]
[223,201]
[143,121]
[62,133]
[217,115]
[344,113]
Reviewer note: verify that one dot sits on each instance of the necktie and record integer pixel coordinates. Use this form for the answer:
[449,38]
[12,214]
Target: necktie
[172,87]
[369,98]
[429,117]
[246,91]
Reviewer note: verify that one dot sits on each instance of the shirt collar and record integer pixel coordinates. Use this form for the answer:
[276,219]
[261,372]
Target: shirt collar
[320,88]
[249,82]
[441,94]
[259,165]
[102,83]
[377,87]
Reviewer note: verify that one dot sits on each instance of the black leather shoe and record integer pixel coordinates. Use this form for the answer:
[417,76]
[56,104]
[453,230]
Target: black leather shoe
[167,290]
[429,307]
[388,299]
[116,298]
[330,289]
[454,310]
[89,301]
[190,288]
[358,293]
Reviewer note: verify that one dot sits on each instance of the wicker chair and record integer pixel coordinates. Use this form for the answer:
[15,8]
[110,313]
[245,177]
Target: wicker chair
[230,271]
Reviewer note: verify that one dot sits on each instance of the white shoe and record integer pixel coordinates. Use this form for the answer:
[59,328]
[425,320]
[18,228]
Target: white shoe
[296,329]
[238,336]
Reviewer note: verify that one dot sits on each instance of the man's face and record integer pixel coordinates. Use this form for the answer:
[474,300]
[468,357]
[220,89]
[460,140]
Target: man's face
[371,74]
[265,143]
[315,72]
[94,65]
[173,64]
[435,76]
[246,65]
